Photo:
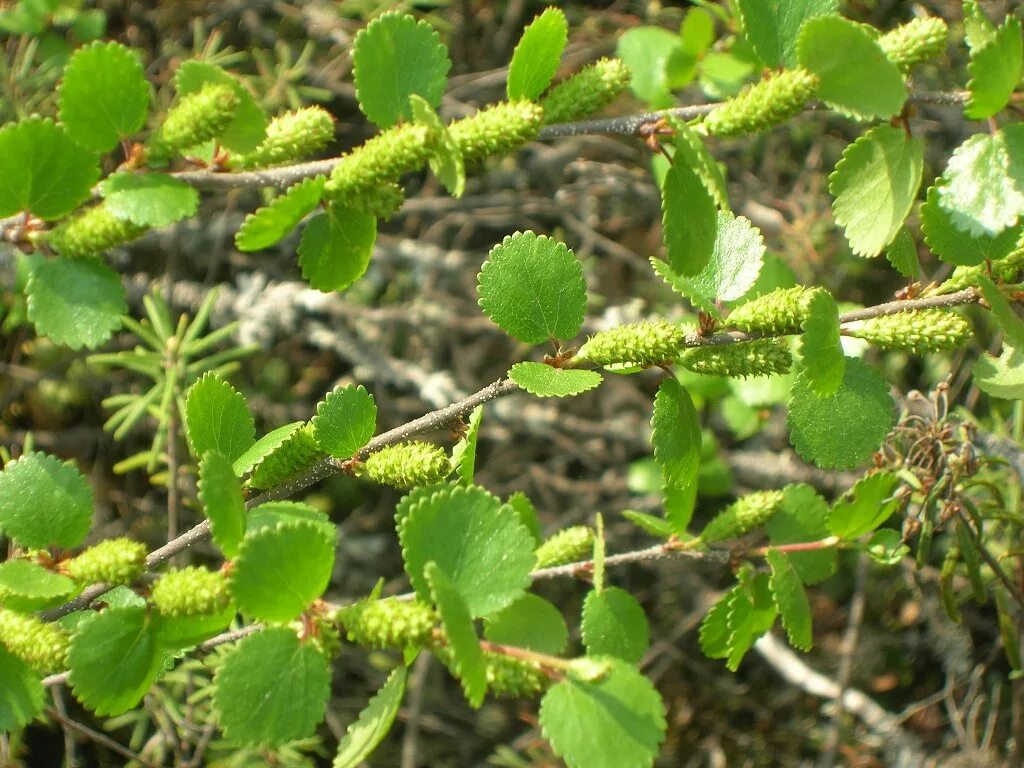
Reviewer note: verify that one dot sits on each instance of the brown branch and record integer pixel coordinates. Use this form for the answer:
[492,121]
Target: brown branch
[99,738]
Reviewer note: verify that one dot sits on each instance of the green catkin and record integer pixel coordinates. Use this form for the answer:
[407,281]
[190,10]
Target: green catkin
[763,357]
[781,311]
[775,99]
[649,342]
[507,676]
[295,455]
[1005,270]
[380,162]
[381,201]
[191,591]
[388,623]
[914,42]
[918,331]
[408,465]
[40,645]
[589,90]
[196,118]
[93,231]
[290,137]
[496,130]
[114,561]
[741,516]
[567,546]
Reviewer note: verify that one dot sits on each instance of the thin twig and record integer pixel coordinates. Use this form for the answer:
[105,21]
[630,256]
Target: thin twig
[99,738]
[417,687]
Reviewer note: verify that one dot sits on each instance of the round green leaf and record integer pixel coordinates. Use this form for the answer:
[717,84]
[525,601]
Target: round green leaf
[273,513]
[820,348]
[394,57]
[902,254]
[841,431]
[614,624]
[1003,376]
[954,245]
[981,186]
[103,95]
[855,77]
[479,544]
[772,27]
[617,721]
[803,516]
[21,693]
[263,447]
[735,261]
[28,586]
[149,199]
[874,186]
[221,494]
[272,689]
[336,247]
[44,502]
[44,170]
[646,50]
[217,418]
[249,126]
[676,434]
[530,622]
[75,302]
[865,507]
[689,218]
[537,56]
[533,287]
[752,612]
[273,221]
[791,600]
[364,734]
[545,381]
[345,421]
[467,658]
[995,71]
[114,659]
[280,571]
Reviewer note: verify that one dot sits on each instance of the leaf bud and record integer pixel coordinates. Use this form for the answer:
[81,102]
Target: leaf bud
[743,515]
[762,357]
[114,561]
[40,645]
[589,90]
[781,311]
[507,676]
[196,118]
[566,546]
[290,137]
[916,41]
[649,342]
[190,591]
[379,162]
[408,465]
[918,331]
[388,623]
[93,231]
[772,100]
[496,130]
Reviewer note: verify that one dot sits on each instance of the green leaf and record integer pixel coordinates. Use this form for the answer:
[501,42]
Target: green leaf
[272,689]
[886,547]
[345,421]
[75,302]
[981,186]
[791,600]
[653,525]
[820,350]
[527,514]
[27,586]
[537,55]
[394,57]
[364,734]
[870,503]
[467,658]
[902,254]
[44,502]
[874,186]
[617,721]
[103,95]
[1003,376]
[280,571]
[464,452]
[1009,321]
[689,218]
[646,50]
[530,622]
[273,513]
[44,170]
[218,418]
[336,247]
[978,30]
[114,659]
[21,693]
[676,434]
[263,447]
[841,431]
[773,26]
[478,543]
[803,516]
[856,78]
[545,381]
[269,224]
[446,160]
[532,287]
[955,246]
[249,126]
[995,71]
[182,632]
[614,624]
[694,153]
[149,199]
[221,494]
[714,628]
[752,612]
